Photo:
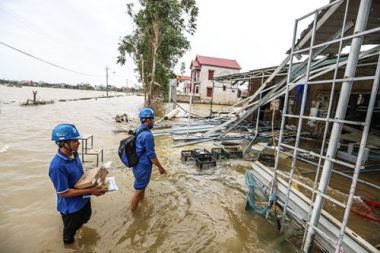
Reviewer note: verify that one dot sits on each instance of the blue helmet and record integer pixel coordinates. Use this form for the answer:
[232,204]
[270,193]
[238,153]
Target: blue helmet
[146,113]
[65,132]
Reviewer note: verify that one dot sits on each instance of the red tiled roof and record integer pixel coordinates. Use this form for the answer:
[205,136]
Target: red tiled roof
[195,64]
[213,61]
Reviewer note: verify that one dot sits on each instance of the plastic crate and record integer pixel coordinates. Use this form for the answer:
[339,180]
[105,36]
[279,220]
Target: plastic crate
[187,155]
[201,153]
[219,153]
[234,152]
[205,162]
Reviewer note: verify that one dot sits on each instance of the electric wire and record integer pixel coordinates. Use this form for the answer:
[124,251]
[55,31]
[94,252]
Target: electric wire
[21,23]
[11,17]
[47,62]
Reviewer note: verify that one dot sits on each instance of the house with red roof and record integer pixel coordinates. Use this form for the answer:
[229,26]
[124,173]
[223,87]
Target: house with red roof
[203,71]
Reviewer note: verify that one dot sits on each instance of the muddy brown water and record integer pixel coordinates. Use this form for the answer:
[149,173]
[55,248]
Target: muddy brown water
[187,210]
[339,188]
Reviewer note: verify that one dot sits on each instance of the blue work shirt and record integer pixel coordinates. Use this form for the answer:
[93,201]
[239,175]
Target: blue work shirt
[65,172]
[145,146]
[145,150]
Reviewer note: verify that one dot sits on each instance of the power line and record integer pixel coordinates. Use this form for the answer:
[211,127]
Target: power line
[18,21]
[52,64]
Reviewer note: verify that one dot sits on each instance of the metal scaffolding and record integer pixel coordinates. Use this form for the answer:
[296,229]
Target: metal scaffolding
[338,24]
[336,118]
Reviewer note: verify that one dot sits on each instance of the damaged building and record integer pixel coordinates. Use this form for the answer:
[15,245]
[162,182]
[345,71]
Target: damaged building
[326,92]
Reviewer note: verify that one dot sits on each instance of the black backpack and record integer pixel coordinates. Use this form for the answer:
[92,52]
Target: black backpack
[127,149]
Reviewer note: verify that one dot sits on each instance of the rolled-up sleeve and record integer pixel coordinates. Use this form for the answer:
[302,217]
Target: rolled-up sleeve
[149,146]
[60,180]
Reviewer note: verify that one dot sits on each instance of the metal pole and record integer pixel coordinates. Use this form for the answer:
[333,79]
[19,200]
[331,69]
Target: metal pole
[283,119]
[174,96]
[300,121]
[107,81]
[212,98]
[344,97]
[257,120]
[191,99]
[170,92]
[358,165]
[329,109]
[258,109]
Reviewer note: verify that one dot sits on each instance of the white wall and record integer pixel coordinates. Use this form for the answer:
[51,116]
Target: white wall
[229,96]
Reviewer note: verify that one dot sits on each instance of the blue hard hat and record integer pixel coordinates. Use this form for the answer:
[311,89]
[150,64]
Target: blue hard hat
[65,132]
[146,113]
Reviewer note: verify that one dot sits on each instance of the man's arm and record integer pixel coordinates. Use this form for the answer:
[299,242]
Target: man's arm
[151,153]
[59,178]
[156,162]
[96,190]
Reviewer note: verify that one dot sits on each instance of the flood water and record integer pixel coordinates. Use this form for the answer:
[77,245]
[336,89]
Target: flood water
[187,210]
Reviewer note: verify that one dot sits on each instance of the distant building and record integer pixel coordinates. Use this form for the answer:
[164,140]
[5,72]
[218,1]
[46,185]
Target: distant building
[183,84]
[203,71]
[26,82]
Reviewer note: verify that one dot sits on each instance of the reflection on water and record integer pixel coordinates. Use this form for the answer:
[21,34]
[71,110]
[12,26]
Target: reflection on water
[184,211]
[3,148]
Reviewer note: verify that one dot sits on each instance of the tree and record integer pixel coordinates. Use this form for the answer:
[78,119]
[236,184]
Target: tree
[183,67]
[158,40]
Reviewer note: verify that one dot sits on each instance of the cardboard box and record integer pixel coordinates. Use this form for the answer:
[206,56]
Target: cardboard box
[92,177]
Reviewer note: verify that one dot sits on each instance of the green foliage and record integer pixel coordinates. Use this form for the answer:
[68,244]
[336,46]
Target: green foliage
[158,39]
[183,68]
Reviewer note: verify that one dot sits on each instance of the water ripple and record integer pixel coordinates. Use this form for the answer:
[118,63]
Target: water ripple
[4,148]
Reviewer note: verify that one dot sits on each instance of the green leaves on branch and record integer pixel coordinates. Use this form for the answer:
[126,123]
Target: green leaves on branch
[158,40]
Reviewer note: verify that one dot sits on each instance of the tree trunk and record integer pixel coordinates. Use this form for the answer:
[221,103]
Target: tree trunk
[154,54]
[142,78]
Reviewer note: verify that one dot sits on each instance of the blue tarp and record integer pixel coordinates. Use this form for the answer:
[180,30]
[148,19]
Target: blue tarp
[256,190]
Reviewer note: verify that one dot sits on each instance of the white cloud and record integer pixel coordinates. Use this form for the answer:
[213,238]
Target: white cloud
[83,35]
[255,33]
[79,35]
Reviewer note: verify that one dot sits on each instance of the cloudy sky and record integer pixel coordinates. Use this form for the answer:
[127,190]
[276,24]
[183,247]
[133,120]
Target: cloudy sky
[82,36]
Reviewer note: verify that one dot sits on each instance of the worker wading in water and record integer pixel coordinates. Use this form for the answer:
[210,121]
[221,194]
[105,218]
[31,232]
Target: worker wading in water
[65,170]
[145,150]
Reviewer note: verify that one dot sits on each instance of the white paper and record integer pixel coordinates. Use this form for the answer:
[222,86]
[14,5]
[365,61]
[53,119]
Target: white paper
[111,184]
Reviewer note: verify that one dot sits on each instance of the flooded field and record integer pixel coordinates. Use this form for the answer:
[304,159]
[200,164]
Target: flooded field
[187,210]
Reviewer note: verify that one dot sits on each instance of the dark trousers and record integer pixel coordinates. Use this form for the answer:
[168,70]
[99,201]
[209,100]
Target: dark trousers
[74,221]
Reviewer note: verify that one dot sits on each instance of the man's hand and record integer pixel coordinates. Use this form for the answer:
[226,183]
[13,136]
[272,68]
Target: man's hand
[156,162]
[72,192]
[162,170]
[97,191]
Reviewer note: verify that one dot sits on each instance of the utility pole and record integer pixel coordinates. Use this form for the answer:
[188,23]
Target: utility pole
[107,81]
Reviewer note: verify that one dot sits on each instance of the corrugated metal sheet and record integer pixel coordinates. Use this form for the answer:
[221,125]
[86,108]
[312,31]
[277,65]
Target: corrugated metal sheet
[331,20]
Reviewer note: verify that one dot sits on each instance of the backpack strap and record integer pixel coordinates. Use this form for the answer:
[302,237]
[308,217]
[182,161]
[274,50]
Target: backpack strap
[137,133]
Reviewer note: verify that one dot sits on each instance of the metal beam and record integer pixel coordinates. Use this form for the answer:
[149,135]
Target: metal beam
[360,26]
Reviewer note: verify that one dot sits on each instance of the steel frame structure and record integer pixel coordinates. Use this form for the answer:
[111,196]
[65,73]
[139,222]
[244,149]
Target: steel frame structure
[335,117]
[326,158]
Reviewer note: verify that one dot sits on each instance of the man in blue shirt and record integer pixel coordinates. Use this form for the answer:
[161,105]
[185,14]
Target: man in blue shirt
[145,150]
[64,171]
